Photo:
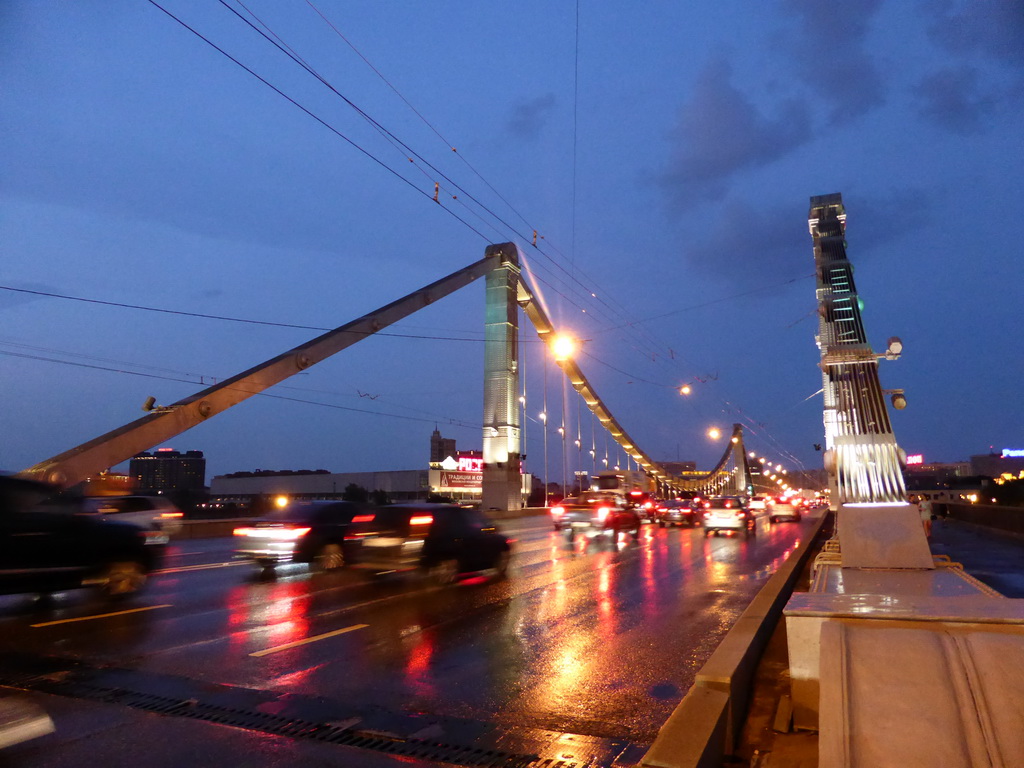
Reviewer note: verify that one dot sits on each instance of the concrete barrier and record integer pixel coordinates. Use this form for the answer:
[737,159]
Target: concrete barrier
[1010,519]
[693,734]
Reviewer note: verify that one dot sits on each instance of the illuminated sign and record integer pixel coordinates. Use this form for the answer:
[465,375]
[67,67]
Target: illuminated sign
[917,458]
[462,480]
[1013,453]
[470,464]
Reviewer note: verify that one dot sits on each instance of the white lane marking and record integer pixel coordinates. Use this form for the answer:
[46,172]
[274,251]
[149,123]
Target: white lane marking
[102,615]
[313,639]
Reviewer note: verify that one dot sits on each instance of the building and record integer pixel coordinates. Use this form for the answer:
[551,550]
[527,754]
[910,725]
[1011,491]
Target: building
[1006,465]
[440,448]
[166,470]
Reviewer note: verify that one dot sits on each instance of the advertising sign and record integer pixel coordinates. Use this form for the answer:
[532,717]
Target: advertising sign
[462,480]
[917,458]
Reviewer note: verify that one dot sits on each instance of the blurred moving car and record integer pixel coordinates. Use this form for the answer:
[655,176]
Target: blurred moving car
[20,720]
[46,545]
[154,512]
[728,513]
[443,541]
[677,512]
[644,504]
[761,501]
[595,514]
[310,532]
[787,508]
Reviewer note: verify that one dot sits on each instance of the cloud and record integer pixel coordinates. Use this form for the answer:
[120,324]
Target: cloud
[529,117]
[956,100]
[829,55]
[755,244]
[11,297]
[994,28]
[751,245]
[721,133]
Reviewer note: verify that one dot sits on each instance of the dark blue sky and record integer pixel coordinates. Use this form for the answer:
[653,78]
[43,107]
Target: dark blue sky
[667,168]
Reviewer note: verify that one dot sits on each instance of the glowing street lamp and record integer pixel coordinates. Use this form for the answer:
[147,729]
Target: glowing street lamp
[685,389]
[714,433]
[563,347]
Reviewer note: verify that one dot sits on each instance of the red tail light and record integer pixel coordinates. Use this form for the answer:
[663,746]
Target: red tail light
[421,520]
[602,513]
[172,514]
[363,519]
[557,511]
[648,505]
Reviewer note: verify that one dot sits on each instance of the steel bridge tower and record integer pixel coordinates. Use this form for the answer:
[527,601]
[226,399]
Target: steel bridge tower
[862,458]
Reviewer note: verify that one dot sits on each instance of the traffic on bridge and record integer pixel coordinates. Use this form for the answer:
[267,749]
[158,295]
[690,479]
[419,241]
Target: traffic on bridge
[581,649]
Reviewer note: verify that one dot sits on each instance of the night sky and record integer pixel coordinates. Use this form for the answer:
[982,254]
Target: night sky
[665,152]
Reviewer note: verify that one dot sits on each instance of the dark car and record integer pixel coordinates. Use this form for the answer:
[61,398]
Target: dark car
[595,514]
[728,513]
[47,546]
[442,541]
[645,505]
[677,512]
[310,532]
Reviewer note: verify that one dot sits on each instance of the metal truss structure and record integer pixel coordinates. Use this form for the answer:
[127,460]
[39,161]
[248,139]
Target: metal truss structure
[862,458]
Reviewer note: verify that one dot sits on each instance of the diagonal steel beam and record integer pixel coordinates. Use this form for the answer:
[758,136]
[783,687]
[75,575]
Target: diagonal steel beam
[545,330]
[73,466]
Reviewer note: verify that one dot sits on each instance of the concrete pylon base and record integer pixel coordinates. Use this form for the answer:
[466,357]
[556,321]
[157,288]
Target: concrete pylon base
[882,536]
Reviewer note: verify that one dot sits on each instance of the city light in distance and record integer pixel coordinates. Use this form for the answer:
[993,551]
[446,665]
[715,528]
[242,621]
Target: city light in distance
[685,389]
[714,433]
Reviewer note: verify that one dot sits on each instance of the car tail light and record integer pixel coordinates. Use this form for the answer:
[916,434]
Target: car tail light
[648,505]
[363,519]
[557,511]
[172,514]
[282,534]
[728,504]
[602,513]
[421,520]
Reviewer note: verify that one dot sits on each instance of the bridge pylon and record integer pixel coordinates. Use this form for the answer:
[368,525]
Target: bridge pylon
[502,476]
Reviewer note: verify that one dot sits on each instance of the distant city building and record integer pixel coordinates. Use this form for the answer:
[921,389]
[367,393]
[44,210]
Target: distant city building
[678,467]
[165,470]
[923,477]
[440,448]
[996,465]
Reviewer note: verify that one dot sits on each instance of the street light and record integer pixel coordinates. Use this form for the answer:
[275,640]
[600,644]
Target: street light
[714,433]
[563,347]
[685,389]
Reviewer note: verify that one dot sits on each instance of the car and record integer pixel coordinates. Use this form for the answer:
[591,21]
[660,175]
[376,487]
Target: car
[306,532]
[787,508]
[728,513]
[761,501]
[441,541]
[47,546]
[22,719]
[157,512]
[597,514]
[677,512]
[644,504]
